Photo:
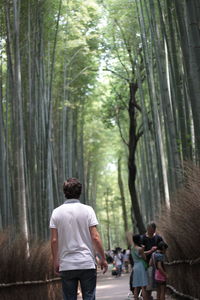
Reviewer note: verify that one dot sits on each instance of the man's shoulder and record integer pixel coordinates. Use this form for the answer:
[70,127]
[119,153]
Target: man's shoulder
[158,238]
[88,207]
[64,205]
[145,238]
[56,209]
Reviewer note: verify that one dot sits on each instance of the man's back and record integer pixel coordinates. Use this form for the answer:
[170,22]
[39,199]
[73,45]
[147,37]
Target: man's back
[73,237]
[72,220]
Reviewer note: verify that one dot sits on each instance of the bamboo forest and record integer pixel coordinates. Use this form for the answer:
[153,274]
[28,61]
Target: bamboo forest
[106,91]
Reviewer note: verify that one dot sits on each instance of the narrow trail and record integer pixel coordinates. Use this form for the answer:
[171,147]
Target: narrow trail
[112,288]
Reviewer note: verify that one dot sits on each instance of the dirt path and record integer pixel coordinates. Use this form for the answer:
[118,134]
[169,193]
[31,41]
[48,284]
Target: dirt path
[112,288]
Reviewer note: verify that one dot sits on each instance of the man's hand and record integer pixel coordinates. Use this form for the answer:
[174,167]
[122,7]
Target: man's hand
[104,265]
[99,248]
[154,248]
[54,250]
[56,269]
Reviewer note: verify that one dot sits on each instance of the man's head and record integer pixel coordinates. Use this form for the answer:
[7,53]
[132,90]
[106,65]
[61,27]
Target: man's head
[151,228]
[72,188]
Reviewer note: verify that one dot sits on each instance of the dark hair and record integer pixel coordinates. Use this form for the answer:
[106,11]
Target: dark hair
[72,188]
[137,239]
[152,224]
[162,246]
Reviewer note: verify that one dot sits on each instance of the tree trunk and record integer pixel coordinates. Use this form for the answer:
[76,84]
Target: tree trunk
[108,220]
[21,192]
[133,139]
[123,200]
[187,16]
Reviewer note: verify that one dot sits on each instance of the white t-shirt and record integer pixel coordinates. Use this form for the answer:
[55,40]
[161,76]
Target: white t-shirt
[72,220]
[118,259]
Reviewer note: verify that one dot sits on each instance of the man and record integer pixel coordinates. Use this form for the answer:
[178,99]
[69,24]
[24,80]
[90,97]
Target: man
[73,238]
[150,241]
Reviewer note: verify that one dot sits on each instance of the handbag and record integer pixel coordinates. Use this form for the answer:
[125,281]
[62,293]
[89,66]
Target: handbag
[159,276]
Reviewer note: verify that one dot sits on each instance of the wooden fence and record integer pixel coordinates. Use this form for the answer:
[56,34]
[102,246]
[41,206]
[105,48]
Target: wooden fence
[184,278]
[38,289]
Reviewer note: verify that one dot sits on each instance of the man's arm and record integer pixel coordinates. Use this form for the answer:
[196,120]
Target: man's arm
[153,249]
[98,247]
[54,249]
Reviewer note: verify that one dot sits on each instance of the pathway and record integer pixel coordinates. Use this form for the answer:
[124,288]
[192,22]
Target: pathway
[111,288]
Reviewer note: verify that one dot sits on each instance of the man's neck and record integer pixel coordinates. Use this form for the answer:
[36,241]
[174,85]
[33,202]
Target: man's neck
[72,201]
[150,235]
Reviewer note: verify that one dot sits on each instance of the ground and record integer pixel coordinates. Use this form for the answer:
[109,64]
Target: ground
[111,288]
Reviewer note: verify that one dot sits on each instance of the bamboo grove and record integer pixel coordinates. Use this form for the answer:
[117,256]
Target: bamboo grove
[78,76]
